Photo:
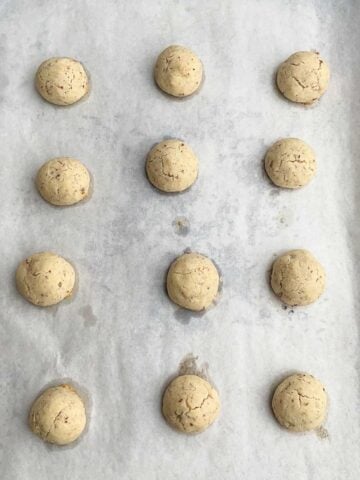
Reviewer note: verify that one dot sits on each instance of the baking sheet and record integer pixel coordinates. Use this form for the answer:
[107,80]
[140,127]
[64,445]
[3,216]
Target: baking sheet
[120,338]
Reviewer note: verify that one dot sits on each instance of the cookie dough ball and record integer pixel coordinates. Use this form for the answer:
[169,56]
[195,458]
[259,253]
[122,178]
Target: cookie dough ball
[190,404]
[193,281]
[303,77]
[62,81]
[290,163]
[58,415]
[45,279]
[63,181]
[178,71]
[300,402]
[297,278]
[172,166]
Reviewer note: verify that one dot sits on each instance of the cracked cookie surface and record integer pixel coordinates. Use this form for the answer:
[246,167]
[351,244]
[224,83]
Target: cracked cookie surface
[45,279]
[193,281]
[178,71]
[63,181]
[62,81]
[297,278]
[172,166]
[58,415]
[300,403]
[303,77]
[190,404]
[290,163]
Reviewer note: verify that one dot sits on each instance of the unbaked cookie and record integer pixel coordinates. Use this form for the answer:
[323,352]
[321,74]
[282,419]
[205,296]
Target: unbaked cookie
[58,415]
[290,163]
[190,404]
[45,279]
[297,278]
[63,181]
[303,77]
[178,71]
[193,281]
[62,81]
[300,403]
[172,166]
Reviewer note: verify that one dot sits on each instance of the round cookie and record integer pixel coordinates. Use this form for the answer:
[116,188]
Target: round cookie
[290,163]
[178,71]
[62,81]
[300,403]
[63,181]
[58,415]
[297,278]
[190,404]
[45,279]
[303,77]
[193,281]
[172,166]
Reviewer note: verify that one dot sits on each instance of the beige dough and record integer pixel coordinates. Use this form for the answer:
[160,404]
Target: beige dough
[300,403]
[45,279]
[297,278]
[63,181]
[172,166]
[58,415]
[178,71]
[190,404]
[62,81]
[303,77]
[193,281]
[290,163]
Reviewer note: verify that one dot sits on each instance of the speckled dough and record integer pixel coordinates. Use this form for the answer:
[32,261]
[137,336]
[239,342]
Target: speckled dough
[300,403]
[178,71]
[303,77]
[45,279]
[193,281]
[190,404]
[172,166]
[63,181]
[297,278]
[58,415]
[290,163]
[62,81]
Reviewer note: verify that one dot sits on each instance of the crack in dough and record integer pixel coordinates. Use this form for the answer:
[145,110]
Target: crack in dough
[58,415]
[53,424]
[190,404]
[193,281]
[298,81]
[63,181]
[303,77]
[178,71]
[172,166]
[300,403]
[290,163]
[45,279]
[297,278]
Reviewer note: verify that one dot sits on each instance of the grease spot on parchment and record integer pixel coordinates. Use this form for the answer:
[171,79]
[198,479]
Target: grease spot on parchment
[88,315]
[4,81]
[322,433]
[184,316]
[285,218]
[181,226]
[189,366]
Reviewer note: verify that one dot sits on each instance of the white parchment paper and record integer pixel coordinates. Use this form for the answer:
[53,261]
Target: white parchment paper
[121,339]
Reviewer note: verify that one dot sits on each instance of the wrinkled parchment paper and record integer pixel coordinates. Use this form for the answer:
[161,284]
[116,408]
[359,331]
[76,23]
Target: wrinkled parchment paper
[120,338]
